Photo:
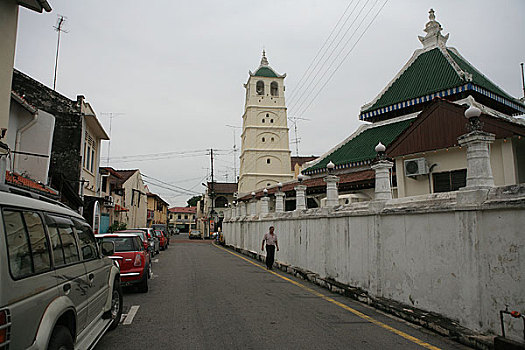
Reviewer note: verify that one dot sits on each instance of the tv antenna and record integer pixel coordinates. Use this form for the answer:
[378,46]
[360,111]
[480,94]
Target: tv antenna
[58,28]
[297,139]
[111,116]
[234,151]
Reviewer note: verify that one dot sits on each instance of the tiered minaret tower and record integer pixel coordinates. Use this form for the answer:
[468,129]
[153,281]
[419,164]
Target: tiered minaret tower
[265,150]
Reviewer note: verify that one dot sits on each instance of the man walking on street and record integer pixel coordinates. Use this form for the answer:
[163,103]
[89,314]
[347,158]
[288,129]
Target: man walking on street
[271,243]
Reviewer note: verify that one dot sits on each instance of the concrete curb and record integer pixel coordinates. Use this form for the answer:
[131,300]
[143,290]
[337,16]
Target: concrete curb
[430,320]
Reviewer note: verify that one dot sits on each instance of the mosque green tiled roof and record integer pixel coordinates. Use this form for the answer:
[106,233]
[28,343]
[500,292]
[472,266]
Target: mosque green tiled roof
[432,72]
[265,72]
[436,71]
[359,150]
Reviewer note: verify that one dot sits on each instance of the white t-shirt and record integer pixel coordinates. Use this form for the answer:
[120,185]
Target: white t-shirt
[270,239]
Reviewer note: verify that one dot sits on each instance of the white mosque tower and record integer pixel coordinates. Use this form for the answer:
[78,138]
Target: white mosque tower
[265,149]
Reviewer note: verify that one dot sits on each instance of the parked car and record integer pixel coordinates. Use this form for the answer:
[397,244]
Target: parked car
[162,239]
[154,241]
[164,229]
[195,234]
[148,240]
[135,267]
[58,289]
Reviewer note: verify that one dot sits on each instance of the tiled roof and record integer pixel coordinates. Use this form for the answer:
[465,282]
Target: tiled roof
[360,150]
[265,72]
[111,171]
[41,96]
[125,175]
[364,176]
[183,210]
[21,181]
[154,195]
[437,72]
[301,160]
[224,187]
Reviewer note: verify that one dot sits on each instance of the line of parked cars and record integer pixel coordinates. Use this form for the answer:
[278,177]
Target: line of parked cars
[60,284]
[134,251]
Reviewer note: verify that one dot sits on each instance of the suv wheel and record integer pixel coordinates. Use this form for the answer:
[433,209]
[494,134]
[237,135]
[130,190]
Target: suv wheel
[61,339]
[116,305]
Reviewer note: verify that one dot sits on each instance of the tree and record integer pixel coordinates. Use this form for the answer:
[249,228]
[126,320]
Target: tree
[193,201]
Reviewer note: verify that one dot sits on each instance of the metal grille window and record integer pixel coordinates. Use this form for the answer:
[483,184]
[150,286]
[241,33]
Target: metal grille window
[449,180]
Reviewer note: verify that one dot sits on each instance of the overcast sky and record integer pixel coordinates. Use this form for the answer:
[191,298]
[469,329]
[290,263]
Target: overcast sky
[176,69]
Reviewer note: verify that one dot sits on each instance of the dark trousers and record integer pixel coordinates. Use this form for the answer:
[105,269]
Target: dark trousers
[270,255]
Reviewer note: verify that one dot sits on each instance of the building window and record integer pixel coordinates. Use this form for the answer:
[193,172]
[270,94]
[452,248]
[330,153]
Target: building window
[263,139]
[263,120]
[268,161]
[273,139]
[92,159]
[180,216]
[259,87]
[449,180]
[271,121]
[274,89]
[85,153]
[88,160]
[186,217]
[267,115]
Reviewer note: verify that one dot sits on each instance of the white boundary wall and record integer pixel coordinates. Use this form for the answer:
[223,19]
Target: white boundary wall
[459,254]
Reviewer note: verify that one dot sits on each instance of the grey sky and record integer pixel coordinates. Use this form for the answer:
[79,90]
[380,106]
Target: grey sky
[176,68]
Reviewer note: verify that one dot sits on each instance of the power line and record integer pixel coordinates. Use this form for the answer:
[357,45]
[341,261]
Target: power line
[171,186]
[299,85]
[321,69]
[344,58]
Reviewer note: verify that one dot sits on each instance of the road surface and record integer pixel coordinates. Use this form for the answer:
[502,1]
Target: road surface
[207,297]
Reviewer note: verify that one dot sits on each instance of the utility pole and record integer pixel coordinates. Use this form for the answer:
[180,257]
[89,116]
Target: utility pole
[111,116]
[59,29]
[522,80]
[212,191]
[296,140]
[234,151]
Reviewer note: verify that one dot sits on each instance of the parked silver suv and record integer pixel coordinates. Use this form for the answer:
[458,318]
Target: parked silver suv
[58,289]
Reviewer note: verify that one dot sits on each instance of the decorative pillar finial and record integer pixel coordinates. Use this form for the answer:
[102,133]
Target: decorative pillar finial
[380,149]
[264,60]
[474,123]
[433,30]
[431,15]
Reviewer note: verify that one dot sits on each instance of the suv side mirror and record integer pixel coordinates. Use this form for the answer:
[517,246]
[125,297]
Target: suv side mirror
[107,248]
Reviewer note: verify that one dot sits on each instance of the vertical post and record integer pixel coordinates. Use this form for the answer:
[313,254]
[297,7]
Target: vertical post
[264,203]
[382,166]
[479,171]
[3,168]
[300,194]
[279,199]
[332,194]
[243,208]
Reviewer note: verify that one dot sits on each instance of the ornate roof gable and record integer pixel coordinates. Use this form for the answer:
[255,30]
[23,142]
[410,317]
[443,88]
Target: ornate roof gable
[434,71]
[264,69]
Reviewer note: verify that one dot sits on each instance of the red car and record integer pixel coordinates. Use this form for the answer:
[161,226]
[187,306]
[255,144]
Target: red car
[162,239]
[133,259]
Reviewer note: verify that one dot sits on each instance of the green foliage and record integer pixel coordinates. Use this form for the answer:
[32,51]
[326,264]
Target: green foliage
[193,201]
[117,226]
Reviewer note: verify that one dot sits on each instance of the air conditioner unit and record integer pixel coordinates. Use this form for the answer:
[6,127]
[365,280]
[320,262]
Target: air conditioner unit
[417,166]
[109,201]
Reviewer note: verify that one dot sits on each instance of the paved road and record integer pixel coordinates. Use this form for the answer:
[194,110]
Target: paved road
[205,297]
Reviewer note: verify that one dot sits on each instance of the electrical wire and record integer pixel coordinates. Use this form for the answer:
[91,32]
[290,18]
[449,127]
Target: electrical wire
[307,92]
[344,58]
